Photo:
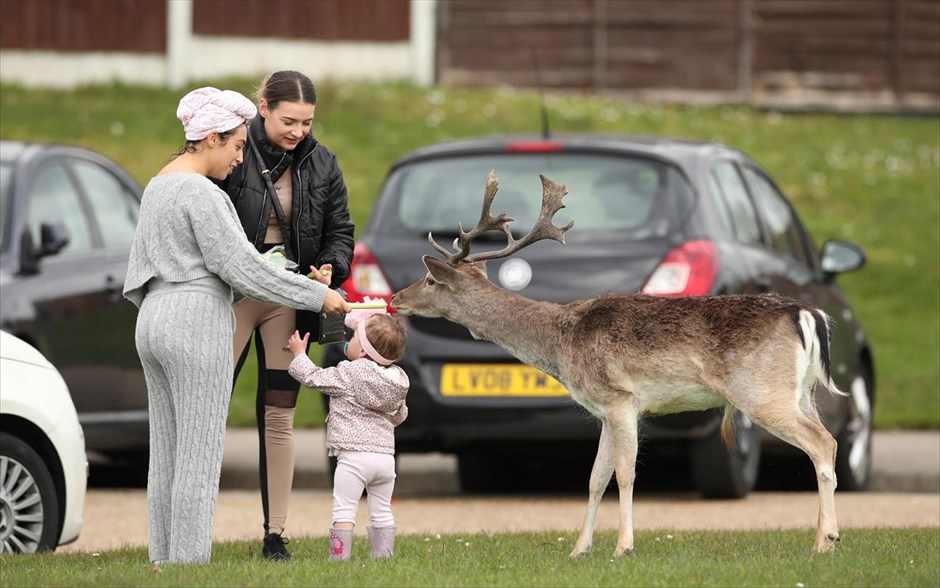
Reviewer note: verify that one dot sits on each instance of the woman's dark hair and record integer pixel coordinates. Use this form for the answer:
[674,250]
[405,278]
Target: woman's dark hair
[190,146]
[286,86]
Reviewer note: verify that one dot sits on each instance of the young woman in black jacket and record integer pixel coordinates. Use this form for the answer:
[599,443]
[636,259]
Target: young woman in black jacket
[308,212]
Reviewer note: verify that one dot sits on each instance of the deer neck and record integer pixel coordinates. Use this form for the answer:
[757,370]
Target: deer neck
[526,328]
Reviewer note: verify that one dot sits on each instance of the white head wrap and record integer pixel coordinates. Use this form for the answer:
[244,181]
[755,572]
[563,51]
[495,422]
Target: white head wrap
[208,109]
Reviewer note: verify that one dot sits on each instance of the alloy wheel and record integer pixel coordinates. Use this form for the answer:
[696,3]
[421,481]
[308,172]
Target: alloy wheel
[21,512]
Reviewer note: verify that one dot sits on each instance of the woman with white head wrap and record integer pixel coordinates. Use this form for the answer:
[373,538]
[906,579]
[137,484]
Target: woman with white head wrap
[188,254]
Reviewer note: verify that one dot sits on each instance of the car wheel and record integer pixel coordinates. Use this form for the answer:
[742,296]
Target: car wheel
[482,473]
[29,507]
[474,473]
[853,457]
[722,472]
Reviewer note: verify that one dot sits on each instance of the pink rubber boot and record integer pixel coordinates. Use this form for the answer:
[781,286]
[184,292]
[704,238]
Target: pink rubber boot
[382,540]
[340,543]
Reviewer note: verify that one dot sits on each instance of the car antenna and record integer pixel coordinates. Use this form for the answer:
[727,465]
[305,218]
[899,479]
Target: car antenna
[546,133]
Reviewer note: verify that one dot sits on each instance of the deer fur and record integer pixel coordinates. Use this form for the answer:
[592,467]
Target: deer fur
[623,357]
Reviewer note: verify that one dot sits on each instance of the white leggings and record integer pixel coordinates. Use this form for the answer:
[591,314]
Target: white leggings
[358,470]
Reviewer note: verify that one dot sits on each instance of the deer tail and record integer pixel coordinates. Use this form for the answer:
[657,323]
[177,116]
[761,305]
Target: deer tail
[727,426]
[815,331]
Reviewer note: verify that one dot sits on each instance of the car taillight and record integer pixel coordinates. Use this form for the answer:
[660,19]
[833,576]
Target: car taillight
[688,270]
[366,278]
[535,147]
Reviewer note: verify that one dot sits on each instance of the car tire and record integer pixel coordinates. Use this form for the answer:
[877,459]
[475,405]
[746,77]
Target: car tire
[29,506]
[480,473]
[722,472]
[854,454]
[138,473]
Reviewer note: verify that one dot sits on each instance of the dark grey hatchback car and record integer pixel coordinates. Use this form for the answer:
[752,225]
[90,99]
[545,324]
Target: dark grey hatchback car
[654,215]
[68,218]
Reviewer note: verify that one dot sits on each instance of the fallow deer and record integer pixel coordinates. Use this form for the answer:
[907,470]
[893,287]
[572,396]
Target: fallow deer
[626,356]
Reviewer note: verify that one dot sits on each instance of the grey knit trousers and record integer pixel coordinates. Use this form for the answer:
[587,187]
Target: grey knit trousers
[184,338]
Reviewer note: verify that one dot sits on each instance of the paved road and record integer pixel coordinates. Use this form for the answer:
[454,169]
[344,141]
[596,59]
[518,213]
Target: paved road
[903,461]
[906,493]
[117,518]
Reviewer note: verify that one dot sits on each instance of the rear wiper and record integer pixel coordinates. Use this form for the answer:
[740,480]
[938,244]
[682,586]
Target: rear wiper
[449,235]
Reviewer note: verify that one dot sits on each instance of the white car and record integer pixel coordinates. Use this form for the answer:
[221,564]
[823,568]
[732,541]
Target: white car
[43,468]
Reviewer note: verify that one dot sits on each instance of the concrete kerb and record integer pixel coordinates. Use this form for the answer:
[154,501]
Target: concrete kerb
[903,461]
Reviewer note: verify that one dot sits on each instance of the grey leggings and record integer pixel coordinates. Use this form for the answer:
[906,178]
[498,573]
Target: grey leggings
[184,338]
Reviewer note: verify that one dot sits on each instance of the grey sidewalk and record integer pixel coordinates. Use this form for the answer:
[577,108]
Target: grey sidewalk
[903,461]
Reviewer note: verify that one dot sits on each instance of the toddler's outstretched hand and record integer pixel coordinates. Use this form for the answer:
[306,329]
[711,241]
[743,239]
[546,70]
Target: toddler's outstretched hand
[297,345]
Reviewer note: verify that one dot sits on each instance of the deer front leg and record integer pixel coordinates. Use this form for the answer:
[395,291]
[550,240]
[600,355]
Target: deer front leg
[600,476]
[624,431]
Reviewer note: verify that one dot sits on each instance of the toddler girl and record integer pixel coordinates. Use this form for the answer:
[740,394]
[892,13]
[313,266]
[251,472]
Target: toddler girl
[367,401]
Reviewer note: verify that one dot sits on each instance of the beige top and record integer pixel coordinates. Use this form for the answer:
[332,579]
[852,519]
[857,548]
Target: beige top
[282,188]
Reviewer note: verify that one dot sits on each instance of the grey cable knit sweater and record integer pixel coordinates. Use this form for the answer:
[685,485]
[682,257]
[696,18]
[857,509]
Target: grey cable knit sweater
[188,229]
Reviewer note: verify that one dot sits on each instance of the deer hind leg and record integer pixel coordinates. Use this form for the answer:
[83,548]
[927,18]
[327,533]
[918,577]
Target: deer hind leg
[600,476]
[798,424]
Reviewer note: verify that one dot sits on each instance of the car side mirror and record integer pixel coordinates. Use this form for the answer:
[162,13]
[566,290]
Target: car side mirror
[52,238]
[840,256]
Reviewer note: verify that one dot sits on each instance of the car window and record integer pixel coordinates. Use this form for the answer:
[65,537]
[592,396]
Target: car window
[112,205]
[733,202]
[6,171]
[53,197]
[633,197]
[778,216]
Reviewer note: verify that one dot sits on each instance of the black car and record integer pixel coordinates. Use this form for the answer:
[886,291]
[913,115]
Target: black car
[655,215]
[68,219]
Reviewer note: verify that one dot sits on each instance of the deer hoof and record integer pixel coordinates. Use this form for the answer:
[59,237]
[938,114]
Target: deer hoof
[621,552]
[826,545]
[579,552]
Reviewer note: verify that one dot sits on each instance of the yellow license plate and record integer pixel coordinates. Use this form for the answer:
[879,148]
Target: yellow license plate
[488,379]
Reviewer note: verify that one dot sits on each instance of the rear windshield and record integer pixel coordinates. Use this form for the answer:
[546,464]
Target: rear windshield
[632,197]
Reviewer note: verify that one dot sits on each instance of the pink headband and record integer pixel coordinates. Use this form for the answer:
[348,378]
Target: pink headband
[367,347]
[208,109]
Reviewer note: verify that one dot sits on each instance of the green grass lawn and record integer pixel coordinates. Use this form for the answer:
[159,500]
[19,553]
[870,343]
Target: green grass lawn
[865,557]
[872,179]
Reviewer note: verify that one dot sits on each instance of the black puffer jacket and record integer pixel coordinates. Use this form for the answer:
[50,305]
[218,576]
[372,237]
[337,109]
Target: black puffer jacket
[321,228]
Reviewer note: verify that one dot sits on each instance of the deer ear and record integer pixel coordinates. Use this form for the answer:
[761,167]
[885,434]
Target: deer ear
[439,269]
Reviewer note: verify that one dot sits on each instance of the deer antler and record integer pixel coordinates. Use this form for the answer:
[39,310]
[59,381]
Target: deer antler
[552,194]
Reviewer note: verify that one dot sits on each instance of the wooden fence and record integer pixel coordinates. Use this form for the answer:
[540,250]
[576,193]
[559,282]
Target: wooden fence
[859,53]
